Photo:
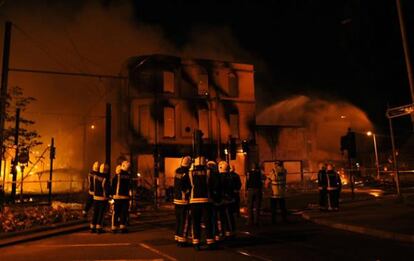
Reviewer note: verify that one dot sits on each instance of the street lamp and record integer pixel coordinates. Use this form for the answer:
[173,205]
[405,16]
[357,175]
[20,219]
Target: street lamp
[369,133]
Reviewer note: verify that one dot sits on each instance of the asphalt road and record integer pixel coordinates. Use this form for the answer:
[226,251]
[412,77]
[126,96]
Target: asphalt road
[150,238]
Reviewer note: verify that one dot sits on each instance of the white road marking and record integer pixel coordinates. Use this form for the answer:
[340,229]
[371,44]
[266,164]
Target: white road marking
[244,253]
[84,245]
[158,252]
[157,259]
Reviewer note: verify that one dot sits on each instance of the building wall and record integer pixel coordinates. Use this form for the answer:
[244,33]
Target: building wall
[202,97]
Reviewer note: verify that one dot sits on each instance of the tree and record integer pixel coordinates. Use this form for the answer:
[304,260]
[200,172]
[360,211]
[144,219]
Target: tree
[28,138]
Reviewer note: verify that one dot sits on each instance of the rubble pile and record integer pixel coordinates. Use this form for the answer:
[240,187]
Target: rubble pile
[16,218]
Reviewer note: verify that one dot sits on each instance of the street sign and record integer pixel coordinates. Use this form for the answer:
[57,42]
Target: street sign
[400,111]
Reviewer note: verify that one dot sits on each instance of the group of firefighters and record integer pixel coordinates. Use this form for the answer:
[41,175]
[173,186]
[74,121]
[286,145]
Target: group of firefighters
[207,195]
[102,189]
[329,186]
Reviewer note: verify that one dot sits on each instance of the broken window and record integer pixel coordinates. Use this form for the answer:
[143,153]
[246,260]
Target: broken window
[202,84]
[203,121]
[143,121]
[234,125]
[233,84]
[169,122]
[168,81]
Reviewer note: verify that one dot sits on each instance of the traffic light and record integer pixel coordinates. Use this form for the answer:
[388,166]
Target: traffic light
[344,143]
[245,146]
[233,148]
[351,145]
[348,143]
[24,157]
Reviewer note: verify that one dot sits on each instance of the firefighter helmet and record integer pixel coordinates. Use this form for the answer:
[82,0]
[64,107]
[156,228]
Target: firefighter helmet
[223,167]
[104,168]
[125,165]
[211,164]
[95,166]
[118,169]
[200,161]
[185,161]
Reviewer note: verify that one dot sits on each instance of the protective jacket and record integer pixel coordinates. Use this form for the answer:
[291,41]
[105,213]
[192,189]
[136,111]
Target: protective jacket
[216,188]
[200,187]
[333,180]
[91,186]
[236,182]
[322,180]
[101,186]
[254,179]
[228,187]
[182,186]
[278,182]
[121,185]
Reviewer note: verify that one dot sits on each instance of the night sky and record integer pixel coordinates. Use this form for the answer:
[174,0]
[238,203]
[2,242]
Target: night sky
[343,49]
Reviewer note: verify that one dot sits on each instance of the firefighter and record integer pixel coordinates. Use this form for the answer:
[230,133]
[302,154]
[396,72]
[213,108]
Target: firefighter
[182,188]
[89,200]
[121,186]
[200,204]
[322,186]
[254,186]
[100,198]
[216,199]
[226,214]
[278,184]
[237,186]
[334,187]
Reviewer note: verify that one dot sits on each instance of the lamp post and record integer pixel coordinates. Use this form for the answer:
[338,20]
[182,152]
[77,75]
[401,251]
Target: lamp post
[369,133]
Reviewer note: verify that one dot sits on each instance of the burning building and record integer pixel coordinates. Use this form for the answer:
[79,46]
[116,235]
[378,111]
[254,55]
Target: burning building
[304,132]
[169,97]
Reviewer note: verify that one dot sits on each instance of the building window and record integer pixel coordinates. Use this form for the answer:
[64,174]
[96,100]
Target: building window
[143,121]
[202,84]
[203,122]
[234,125]
[233,84]
[143,81]
[168,81]
[169,122]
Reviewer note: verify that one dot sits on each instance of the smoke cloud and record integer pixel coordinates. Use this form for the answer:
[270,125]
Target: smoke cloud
[92,37]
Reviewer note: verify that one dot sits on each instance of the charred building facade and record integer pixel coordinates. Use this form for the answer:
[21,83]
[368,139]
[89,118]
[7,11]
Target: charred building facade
[169,97]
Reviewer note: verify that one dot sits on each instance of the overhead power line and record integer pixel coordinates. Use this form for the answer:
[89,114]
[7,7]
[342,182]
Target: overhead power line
[69,73]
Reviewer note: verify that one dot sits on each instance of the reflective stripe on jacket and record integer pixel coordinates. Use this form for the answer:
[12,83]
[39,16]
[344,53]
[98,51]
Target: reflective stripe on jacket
[199,179]
[121,184]
[101,187]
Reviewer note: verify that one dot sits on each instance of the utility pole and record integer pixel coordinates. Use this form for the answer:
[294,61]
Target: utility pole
[52,157]
[108,122]
[16,155]
[4,82]
[156,149]
[394,158]
[406,52]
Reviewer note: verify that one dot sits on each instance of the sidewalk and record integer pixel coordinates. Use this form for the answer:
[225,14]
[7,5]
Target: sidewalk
[384,217]
[73,226]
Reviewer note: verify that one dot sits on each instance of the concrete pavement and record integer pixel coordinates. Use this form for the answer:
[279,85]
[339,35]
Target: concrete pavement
[385,217]
[152,240]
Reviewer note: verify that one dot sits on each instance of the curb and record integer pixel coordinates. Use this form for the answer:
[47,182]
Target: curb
[362,230]
[42,232]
